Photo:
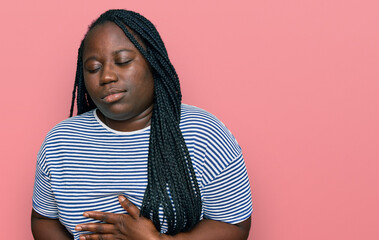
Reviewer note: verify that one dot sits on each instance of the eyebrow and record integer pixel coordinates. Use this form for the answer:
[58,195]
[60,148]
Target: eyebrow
[123,50]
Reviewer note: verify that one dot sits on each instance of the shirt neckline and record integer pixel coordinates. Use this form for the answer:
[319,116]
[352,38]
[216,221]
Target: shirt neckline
[115,131]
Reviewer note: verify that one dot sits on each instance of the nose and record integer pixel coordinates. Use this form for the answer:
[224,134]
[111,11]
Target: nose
[108,74]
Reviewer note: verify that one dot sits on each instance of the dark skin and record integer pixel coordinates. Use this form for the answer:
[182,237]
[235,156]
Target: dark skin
[119,81]
[44,228]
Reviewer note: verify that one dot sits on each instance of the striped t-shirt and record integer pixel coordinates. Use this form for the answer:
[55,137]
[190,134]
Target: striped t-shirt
[83,165]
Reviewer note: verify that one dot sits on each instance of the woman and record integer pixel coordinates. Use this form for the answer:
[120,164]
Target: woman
[136,163]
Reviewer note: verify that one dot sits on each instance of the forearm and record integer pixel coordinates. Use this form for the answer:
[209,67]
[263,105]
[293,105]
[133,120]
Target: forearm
[214,230]
[46,229]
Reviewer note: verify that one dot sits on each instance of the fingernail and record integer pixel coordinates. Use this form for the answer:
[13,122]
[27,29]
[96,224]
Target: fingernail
[121,198]
[78,228]
[86,214]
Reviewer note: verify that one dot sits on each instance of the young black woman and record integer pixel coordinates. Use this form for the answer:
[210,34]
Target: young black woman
[135,163]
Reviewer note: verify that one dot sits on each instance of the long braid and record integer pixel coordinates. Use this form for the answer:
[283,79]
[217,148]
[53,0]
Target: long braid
[172,184]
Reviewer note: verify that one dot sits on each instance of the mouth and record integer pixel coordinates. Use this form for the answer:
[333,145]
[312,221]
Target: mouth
[113,95]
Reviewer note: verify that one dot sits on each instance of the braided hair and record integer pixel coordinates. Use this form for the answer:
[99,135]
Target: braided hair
[172,185]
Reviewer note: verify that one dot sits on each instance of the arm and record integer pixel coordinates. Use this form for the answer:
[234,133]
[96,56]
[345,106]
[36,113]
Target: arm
[44,228]
[132,226]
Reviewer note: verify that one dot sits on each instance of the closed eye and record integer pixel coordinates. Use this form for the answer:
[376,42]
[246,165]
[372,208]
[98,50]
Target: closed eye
[93,70]
[121,63]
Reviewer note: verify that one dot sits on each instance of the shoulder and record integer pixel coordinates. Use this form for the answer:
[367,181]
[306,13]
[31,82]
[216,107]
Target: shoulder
[197,117]
[206,128]
[72,126]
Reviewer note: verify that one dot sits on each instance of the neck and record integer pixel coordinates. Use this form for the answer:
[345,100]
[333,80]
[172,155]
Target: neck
[136,123]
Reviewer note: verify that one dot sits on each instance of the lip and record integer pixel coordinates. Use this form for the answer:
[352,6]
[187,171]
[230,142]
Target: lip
[113,95]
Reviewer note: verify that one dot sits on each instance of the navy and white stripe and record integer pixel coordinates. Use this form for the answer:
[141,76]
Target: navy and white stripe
[83,165]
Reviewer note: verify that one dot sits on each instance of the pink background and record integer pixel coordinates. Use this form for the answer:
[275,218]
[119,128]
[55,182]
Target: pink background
[296,82]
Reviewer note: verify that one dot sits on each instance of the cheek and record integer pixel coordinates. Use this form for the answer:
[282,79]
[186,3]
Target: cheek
[148,86]
[148,79]
[91,90]
[144,81]
[90,84]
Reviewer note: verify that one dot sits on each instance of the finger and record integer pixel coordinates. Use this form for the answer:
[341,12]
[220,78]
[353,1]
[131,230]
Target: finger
[96,227]
[102,216]
[97,237]
[129,207]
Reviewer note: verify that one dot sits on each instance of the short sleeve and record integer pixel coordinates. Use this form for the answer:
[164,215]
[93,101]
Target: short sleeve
[223,177]
[227,197]
[43,199]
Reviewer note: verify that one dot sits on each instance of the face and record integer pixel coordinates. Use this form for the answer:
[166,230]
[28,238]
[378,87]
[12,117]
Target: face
[116,75]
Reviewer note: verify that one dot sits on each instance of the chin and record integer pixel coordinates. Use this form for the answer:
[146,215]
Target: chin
[119,116]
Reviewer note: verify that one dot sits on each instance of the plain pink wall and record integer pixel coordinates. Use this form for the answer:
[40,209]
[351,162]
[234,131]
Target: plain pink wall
[296,81]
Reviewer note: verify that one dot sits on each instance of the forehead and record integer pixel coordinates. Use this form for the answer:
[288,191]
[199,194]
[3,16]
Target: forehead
[106,36]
